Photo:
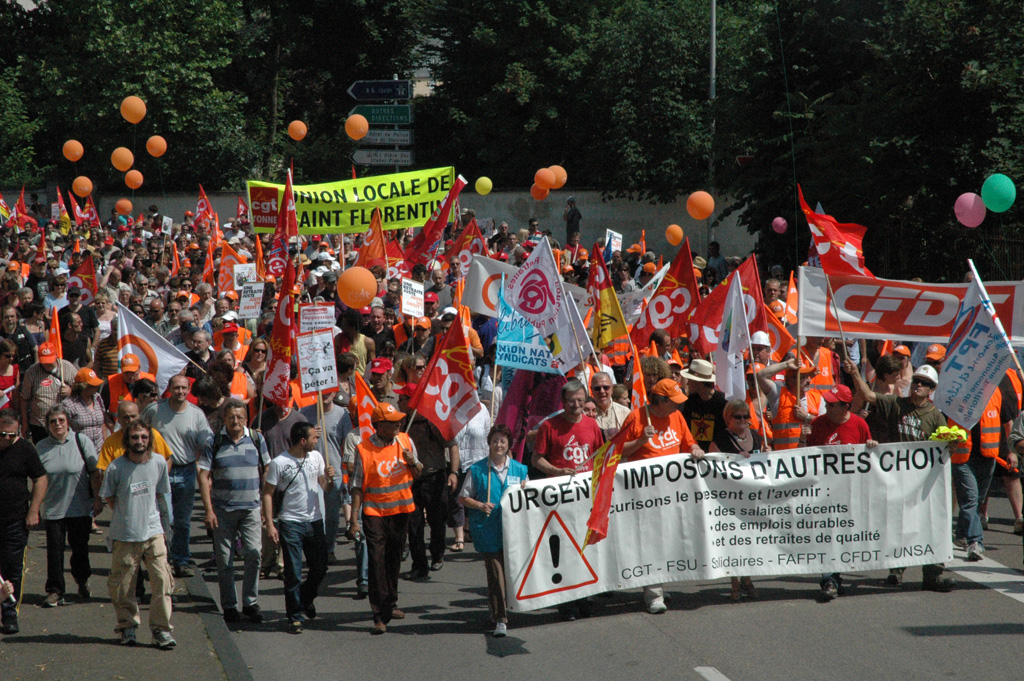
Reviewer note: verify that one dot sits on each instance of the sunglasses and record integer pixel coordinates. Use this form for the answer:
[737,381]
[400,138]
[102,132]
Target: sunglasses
[263,350]
[921,381]
[741,416]
[602,388]
[7,434]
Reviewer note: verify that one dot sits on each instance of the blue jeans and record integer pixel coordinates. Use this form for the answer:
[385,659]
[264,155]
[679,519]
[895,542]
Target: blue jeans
[183,499]
[362,559]
[332,513]
[298,539]
[971,481]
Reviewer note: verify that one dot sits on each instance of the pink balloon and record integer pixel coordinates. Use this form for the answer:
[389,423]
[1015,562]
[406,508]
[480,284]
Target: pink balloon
[780,225]
[969,209]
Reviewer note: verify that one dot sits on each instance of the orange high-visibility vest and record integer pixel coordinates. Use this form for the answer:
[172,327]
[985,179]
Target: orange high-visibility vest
[991,429]
[387,480]
[119,389]
[755,421]
[785,425]
[1018,388]
[618,352]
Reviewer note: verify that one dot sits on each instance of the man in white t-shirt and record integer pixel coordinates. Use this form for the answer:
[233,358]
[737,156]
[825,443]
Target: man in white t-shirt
[301,476]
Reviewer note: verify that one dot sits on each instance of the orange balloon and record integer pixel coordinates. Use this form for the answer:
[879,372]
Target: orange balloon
[357,287]
[545,178]
[296,130]
[156,146]
[122,159]
[538,192]
[123,207]
[560,176]
[73,150]
[133,178]
[700,205]
[674,234]
[133,109]
[82,186]
[356,126]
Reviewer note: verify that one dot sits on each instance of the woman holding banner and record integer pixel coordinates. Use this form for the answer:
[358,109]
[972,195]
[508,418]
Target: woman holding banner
[481,494]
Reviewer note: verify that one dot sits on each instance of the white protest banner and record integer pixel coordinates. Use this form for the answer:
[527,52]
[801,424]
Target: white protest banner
[977,358]
[632,303]
[613,238]
[166,224]
[412,297]
[313,316]
[887,309]
[55,211]
[244,272]
[535,291]
[317,369]
[673,519]
[484,278]
[250,302]
[519,345]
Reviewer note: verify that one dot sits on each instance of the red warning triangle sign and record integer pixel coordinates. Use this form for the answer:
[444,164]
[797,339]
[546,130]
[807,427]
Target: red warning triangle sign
[560,563]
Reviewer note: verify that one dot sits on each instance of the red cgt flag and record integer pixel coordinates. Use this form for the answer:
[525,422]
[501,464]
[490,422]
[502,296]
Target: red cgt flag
[471,242]
[365,404]
[204,211]
[839,245]
[287,227]
[707,318]
[243,210]
[85,278]
[423,248]
[275,385]
[602,479]
[446,396]
[670,306]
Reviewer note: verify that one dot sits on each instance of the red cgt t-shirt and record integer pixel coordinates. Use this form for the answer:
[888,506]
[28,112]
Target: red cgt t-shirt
[567,445]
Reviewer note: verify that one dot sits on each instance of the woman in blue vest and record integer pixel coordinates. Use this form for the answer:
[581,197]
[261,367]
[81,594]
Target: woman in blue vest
[481,495]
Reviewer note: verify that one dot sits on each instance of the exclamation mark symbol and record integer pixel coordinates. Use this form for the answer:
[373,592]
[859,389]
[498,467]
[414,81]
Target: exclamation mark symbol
[553,542]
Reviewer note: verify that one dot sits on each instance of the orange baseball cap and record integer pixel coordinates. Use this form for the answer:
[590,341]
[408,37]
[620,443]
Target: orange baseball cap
[47,353]
[667,387]
[424,323]
[130,362]
[88,376]
[778,308]
[902,350]
[384,411]
[936,352]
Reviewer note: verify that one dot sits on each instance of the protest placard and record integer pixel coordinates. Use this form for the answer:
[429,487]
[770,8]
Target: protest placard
[244,272]
[251,300]
[313,316]
[614,238]
[317,369]
[412,298]
[804,511]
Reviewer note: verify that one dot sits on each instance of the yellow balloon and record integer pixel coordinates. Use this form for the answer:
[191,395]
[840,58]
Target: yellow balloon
[483,186]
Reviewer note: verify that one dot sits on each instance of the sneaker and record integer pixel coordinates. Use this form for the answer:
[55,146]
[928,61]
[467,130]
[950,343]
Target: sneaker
[501,630]
[163,639]
[657,606]
[1018,526]
[974,551]
[128,637]
[895,577]
[397,614]
[378,628]
[84,591]
[10,626]
[253,614]
[53,600]
[183,571]
[231,616]
[942,583]
[829,591]
[295,627]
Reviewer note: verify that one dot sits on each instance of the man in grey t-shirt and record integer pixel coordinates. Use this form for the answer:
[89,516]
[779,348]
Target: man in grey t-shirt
[130,488]
[184,427]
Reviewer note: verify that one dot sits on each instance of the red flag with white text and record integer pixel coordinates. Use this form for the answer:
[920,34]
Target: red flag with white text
[840,245]
[287,226]
[423,248]
[204,211]
[282,338]
[672,303]
[85,279]
[446,395]
[243,210]
[707,318]
[471,242]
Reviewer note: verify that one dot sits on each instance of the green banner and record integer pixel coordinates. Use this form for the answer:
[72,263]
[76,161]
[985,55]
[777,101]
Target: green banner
[405,200]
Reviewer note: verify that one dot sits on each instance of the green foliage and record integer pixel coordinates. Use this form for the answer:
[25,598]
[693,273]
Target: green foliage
[17,155]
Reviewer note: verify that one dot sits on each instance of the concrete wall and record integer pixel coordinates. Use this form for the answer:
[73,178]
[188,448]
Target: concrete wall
[621,215]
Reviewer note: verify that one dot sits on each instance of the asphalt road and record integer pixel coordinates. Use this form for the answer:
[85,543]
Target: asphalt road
[874,632]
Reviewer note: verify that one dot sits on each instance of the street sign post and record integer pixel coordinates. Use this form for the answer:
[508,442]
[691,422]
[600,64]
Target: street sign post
[384,114]
[370,90]
[383,157]
[388,137]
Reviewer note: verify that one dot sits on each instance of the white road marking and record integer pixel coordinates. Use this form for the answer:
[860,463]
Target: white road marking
[711,674]
[988,572]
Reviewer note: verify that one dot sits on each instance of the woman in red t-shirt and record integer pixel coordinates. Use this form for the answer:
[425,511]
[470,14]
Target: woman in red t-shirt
[9,375]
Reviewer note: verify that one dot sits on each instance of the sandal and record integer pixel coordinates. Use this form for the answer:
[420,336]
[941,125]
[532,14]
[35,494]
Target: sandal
[458,546]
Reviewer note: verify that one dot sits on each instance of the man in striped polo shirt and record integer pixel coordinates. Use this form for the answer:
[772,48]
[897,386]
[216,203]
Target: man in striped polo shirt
[231,472]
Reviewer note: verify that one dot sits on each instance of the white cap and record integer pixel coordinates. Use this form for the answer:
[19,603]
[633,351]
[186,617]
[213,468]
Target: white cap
[450,310]
[760,338]
[926,371]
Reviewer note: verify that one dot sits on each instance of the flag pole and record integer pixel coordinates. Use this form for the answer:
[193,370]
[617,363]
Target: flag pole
[987,302]
[835,307]
[757,386]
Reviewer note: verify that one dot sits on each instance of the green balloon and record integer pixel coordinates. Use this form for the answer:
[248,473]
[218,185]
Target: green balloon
[998,193]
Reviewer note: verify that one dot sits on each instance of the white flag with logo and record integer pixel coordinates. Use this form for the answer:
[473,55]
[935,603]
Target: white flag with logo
[571,344]
[733,339]
[535,291]
[977,357]
[156,354]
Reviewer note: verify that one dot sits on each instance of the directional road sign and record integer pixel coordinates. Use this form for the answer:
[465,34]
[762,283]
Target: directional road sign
[370,90]
[384,114]
[383,157]
[388,137]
